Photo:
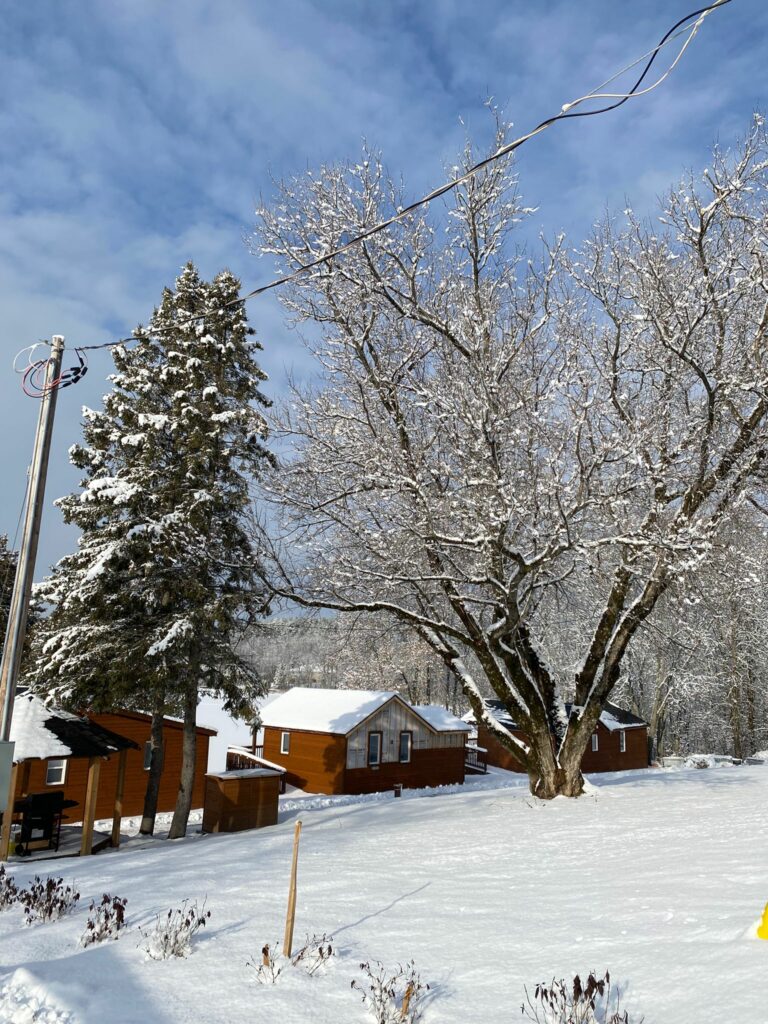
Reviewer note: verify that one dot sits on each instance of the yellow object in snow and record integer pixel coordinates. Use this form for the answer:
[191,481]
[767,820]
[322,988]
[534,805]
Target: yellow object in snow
[762,928]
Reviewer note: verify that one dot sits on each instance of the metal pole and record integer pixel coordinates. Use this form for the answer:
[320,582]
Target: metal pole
[25,569]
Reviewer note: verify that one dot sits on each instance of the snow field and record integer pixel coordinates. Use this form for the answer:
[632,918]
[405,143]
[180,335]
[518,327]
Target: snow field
[657,876]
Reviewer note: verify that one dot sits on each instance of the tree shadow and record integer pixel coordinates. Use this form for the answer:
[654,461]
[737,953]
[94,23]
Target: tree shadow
[381,910]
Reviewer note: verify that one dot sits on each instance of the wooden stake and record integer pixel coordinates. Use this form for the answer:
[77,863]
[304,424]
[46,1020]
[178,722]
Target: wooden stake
[119,788]
[89,811]
[5,832]
[288,939]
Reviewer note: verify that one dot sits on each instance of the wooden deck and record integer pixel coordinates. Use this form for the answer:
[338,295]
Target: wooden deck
[69,846]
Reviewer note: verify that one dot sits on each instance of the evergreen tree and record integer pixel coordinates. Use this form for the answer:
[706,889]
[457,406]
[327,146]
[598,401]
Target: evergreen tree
[147,611]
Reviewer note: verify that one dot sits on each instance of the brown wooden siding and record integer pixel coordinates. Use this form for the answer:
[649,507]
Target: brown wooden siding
[607,758]
[236,803]
[440,767]
[135,727]
[315,762]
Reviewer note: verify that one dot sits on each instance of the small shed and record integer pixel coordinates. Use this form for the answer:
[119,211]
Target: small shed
[361,741]
[619,742]
[61,744]
[243,799]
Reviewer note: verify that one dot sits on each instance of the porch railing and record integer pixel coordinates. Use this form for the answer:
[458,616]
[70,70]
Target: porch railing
[476,759]
[242,758]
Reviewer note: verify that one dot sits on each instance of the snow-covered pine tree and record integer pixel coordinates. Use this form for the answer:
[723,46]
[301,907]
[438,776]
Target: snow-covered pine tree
[148,610]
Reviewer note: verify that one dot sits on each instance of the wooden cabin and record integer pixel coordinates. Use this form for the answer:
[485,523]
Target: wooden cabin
[69,772]
[49,745]
[361,741]
[136,726]
[619,742]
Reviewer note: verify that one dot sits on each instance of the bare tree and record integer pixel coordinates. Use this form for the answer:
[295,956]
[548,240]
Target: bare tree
[499,437]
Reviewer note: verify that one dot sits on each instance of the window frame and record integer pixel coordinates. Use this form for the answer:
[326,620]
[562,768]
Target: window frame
[400,758]
[59,762]
[380,736]
[285,742]
[595,743]
[622,741]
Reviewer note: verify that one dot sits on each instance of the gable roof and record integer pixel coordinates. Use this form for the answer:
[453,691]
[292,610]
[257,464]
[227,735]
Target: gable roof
[40,732]
[612,717]
[314,709]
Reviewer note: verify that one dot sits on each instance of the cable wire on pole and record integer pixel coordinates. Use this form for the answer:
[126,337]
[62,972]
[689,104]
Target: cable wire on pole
[34,372]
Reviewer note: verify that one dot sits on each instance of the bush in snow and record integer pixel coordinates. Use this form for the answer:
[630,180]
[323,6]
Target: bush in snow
[105,920]
[576,1003]
[172,934]
[391,997]
[269,969]
[47,900]
[9,891]
[314,954]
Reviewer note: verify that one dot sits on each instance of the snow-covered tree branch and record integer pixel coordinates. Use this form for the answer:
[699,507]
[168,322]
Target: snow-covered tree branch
[498,435]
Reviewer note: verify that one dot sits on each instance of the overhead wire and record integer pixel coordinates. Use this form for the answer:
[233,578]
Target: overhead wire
[681,27]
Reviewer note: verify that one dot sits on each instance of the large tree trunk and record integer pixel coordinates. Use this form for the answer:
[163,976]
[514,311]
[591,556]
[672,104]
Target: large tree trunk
[156,758]
[549,775]
[188,754]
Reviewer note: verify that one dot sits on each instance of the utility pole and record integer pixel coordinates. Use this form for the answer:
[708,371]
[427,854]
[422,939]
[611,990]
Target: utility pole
[25,569]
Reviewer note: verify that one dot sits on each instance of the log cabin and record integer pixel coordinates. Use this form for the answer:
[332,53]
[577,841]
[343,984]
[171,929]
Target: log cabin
[619,742]
[361,741]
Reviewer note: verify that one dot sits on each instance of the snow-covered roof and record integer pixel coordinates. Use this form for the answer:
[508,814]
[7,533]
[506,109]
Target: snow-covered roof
[440,719]
[40,732]
[612,717]
[339,711]
[320,710]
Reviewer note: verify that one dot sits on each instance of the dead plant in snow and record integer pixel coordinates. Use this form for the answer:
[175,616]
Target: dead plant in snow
[391,997]
[47,900]
[105,920]
[172,934]
[576,1003]
[269,968]
[9,891]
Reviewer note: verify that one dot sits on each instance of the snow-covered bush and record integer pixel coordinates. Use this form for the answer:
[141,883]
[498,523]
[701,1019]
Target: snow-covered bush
[561,1002]
[172,934]
[314,954]
[9,891]
[105,920]
[47,900]
[391,997]
[269,968]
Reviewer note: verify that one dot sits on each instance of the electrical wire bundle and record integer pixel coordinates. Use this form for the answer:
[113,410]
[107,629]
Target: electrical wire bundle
[34,382]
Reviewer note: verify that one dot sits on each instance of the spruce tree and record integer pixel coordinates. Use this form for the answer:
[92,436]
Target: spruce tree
[147,611]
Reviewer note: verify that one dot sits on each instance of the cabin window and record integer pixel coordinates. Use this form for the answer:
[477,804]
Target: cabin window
[285,743]
[622,742]
[594,741]
[55,772]
[406,740]
[374,749]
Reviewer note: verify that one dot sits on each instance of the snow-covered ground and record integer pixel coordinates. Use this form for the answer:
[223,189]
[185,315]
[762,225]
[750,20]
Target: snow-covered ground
[659,876]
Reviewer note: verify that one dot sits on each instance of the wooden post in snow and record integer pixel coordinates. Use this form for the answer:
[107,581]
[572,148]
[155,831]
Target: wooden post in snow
[288,939]
[89,811]
[117,816]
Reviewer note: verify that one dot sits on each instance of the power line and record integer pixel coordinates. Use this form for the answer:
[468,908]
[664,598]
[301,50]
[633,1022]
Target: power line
[680,28]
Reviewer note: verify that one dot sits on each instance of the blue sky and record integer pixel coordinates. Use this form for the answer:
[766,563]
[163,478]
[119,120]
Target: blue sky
[138,135]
